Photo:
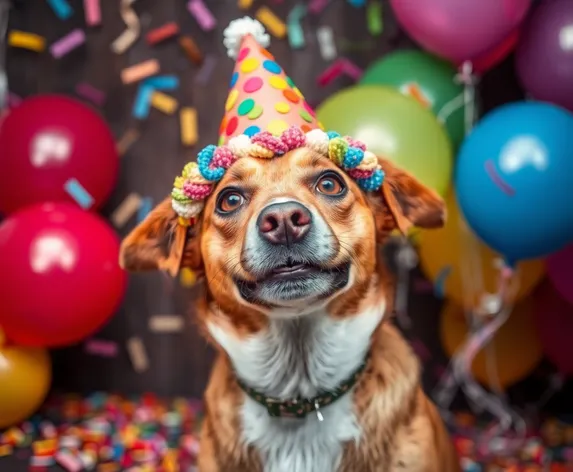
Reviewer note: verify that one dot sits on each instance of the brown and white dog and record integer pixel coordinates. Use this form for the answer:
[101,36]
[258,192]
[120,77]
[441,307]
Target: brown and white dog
[298,302]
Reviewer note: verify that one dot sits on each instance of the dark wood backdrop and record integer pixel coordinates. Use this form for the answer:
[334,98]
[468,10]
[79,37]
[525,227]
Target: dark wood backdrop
[180,363]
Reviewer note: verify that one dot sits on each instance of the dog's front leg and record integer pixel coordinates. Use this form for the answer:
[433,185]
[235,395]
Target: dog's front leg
[207,460]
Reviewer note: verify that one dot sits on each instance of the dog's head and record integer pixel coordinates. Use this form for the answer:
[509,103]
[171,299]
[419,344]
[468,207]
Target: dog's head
[285,236]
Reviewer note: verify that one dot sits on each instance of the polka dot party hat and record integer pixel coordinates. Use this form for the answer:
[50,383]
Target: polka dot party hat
[261,96]
[266,116]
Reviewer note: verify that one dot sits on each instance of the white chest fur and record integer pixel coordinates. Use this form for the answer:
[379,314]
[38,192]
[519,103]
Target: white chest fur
[301,357]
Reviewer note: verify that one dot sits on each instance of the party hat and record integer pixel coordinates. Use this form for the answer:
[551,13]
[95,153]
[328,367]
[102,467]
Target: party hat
[261,96]
[266,116]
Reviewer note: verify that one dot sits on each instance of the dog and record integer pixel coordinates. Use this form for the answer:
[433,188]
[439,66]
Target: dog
[311,375]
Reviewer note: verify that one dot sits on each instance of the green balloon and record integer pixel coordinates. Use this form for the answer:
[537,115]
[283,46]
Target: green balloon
[425,77]
[395,127]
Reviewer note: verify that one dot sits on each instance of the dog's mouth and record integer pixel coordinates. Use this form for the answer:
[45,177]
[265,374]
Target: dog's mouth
[294,281]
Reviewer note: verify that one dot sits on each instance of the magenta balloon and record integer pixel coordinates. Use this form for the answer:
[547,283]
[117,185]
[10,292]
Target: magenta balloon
[48,140]
[61,278]
[544,57]
[554,322]
[559,270]
[459,30]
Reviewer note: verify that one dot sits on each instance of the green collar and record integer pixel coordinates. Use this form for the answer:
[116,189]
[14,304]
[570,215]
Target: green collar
[300,407]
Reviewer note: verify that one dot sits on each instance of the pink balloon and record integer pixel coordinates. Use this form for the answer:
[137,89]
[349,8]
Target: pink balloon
[47,140]
[460,30]
[554,321]
[61,277]
[560,272]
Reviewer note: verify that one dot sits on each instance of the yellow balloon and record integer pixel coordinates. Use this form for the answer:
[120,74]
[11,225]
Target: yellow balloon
[462,267]
[25,376]
[516,347]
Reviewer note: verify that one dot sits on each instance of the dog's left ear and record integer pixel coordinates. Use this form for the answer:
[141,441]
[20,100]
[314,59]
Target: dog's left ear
[403,202]
[159,242]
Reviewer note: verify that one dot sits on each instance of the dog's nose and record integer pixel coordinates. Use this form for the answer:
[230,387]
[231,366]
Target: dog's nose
[284,223]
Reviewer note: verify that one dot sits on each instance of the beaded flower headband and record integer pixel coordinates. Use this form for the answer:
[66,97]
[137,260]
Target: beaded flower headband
[198,179]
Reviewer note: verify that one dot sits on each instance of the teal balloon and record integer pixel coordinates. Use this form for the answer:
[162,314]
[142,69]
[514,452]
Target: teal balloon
[425,78]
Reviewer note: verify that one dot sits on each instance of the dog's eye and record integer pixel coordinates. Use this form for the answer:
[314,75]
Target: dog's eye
[229,201]
[330,184]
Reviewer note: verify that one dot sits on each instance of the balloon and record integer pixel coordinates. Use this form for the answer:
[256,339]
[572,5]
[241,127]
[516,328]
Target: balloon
[459,30]
[462,267]
[495,55]
[516,347]
[426,78]
[62,278]
[559,270]
[393,126]
[544,56]
[554,323]
[513,179]
[46,141]
[25,376]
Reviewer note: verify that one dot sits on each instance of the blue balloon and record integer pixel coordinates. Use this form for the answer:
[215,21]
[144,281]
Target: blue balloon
[514,179]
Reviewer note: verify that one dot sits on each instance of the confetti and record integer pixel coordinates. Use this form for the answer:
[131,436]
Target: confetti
[245,4]
[6,450]
[294,30]
[316,6]
[61,8]
[335,70]
[42,461]
[497,179]
[89,92]
[92,12]
[127,140]
[272,22]
[204,74]
[126,39]
[352,70]
[142,102]
[440,282]
[166,323]
[144,208]
[162,33]
[202,14]
[162,82]
[139,71]
[187,277]
[191,50]
[68,461]
[326,43]
[125,210]
[188,121]
[79,193]
[30,41]
[164,103]
[374,18]
[100,347]
[137,354]
[68,43]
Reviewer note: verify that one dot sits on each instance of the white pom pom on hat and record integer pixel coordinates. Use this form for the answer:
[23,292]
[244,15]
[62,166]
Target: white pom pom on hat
[238,29]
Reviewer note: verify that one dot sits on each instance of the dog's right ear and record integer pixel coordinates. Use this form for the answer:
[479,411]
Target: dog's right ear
[160,242]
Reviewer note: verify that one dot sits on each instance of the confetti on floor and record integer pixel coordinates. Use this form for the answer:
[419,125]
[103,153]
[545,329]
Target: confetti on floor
[115,433]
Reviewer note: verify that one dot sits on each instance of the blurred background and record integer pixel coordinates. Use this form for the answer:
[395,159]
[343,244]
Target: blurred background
[106,101]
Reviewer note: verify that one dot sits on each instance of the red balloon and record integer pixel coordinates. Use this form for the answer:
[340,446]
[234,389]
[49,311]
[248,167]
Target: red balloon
[61,278]
[46,141]
[554,321]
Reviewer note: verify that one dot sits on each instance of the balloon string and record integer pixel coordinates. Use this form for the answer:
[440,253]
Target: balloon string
[406,260]
[466,77]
